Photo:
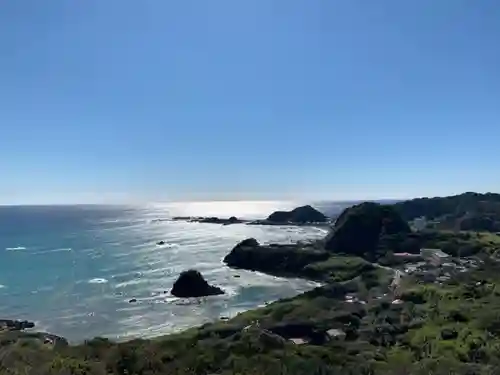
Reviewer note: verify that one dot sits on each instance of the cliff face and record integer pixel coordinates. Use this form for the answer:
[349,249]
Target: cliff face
[359,229]
[300,215]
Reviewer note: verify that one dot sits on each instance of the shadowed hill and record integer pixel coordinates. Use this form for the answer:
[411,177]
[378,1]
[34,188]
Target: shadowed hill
[301,215]
[467,211]
[359,229]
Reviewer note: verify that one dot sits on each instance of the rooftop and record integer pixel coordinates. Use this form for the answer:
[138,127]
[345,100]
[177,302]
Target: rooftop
[334,332]
[437,252]
[441,254]
[299,341]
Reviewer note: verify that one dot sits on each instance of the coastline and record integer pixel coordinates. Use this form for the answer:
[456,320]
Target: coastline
[382,299]
[319,281]
[33,331]
[81,302]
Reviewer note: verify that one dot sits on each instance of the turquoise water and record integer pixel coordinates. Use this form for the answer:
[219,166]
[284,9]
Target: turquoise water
[73,269]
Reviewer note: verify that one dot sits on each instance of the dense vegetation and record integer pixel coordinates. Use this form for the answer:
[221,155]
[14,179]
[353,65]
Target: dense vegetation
[468,211]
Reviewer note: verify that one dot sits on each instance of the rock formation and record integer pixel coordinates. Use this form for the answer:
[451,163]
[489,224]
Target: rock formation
[276,259]
[192,284]
[299,215]
[210,220]
[359,229]
[16,325]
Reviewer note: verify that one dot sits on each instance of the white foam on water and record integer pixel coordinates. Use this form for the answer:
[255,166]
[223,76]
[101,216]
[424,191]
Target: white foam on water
[59,250]
[131,282]
[2,286]
[15,248]
[97,281]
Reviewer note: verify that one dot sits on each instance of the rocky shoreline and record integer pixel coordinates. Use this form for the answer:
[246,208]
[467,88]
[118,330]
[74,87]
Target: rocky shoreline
[316,261]
[23,329]
[299,216]
[15,325]
[361,320]
[310,260]
[231,221]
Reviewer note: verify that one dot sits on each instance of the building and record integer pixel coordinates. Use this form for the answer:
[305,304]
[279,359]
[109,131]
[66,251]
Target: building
[435,256]
[299,341]
[334,333]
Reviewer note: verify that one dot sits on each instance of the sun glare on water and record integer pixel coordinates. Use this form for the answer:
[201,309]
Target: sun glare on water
[241,209]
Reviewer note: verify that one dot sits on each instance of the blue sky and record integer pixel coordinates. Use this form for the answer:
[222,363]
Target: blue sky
[123,100]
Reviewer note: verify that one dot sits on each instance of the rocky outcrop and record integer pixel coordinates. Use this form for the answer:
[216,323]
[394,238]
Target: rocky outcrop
[15,325]
[217,220]
[192,284]
[358,230]
[210,220]
[276,259]
[299,215]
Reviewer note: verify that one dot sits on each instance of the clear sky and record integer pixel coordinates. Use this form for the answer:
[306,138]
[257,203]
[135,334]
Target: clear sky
[151,100]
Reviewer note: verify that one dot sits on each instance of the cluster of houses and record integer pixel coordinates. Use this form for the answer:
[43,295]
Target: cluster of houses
[435,266]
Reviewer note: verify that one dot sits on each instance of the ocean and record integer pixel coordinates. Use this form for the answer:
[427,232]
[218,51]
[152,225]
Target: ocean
[73,269]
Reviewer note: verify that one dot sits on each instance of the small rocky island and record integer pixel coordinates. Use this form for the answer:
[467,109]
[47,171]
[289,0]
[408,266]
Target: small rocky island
[300,215]
[15,325]
[210,220]
[192,284]
[304,215]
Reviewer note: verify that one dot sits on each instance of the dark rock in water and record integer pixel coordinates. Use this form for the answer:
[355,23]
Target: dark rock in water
[160,243]
[209,220]
[237,276]
[132,300]
[249,242]
[276,259]
[192,284]
[16,325]
[233,220]
[182,218]
[359,229]
[216,220]
[299,215]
